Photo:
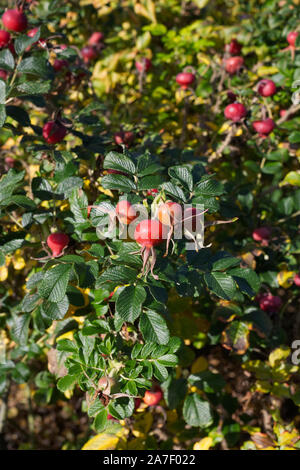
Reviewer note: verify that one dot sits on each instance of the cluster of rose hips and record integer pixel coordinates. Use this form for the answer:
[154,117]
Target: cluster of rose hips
[236,111]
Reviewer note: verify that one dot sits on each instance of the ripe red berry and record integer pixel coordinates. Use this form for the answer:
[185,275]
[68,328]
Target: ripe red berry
[152,192]
[262,235]
[125,138]
[4,38]
[264,127]
[282,112]
[89,53]
[149,232]
[96,38]
[152,398]
[234,64]
[184,79]
[235,112]
[54,132]
[297,280]
[60,64]
[169,213]
[125,212]
[291,38]
[143,65]
[57,242]
[234,47]
[14,20]
[269,303]
[266,88]
[3,74]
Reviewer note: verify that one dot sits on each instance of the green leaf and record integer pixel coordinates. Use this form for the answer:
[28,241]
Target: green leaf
[150,182]
[67,186]
[197,412]
[100,421]
[183,176]
[7,61]
[35,65]
[220,284]
[209,187]
[129,303]
[35,87]
[168,360]
[18,114]
[174,191]
[160,372]
[119,162]
[117,275]
[154,327]
[2,92]
[66,345]
[23,41]
[66,383]
[118,182]
[22,201]
[20,328]
[247,280]
[56,310]
[55,282]
[2,115]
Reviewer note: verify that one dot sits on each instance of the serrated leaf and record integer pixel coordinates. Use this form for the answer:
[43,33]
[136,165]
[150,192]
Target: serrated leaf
[197,412]
[118,182]
[129,303]
[183,176]
[119,162]
[154,327]
[220,284]
[55,282]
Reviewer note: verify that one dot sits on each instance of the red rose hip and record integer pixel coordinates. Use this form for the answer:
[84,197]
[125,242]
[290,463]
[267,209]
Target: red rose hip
[14,20]
[184,79]
[149,232]
[297,280]
[262,235]
[143,64]
[266,88]
[235,112]
[264,127]
[234,64]
[4,38]
[234,47]
[96,38]
[152,398]
[54,132]
[291,38]
[57,242]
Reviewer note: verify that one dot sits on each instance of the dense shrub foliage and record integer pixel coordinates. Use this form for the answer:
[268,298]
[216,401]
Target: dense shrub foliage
[113,112]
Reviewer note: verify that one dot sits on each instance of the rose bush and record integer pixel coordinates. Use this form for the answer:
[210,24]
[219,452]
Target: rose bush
[169,112]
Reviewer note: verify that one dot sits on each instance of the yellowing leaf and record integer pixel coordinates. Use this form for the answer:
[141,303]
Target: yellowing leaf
[278,355]
[293,178]
[68,335]
[18,263]
[199,365]
[285,278]
[3,273]
[107,192]
[142,424]
[204,444]
[263,71]
[102,441]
